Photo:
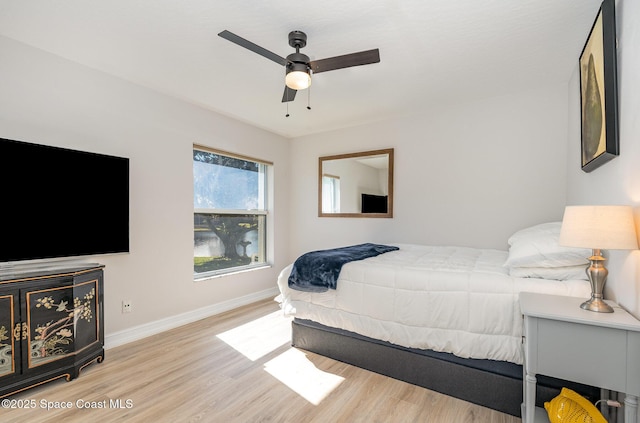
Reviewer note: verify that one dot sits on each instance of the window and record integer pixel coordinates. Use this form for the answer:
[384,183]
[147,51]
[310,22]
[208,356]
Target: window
[230,212]
[330,194]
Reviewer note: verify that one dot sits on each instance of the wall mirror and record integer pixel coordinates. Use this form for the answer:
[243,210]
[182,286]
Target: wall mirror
[356,184]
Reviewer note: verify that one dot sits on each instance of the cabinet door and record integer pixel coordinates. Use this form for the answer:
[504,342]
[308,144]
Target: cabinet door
[63,320]
[10,334]
[86,313]
[50,318]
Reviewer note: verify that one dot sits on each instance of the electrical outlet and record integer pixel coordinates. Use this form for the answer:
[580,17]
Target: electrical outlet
[126,306]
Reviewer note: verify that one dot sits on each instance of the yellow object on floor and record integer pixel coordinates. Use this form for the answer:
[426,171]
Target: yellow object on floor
[571,407]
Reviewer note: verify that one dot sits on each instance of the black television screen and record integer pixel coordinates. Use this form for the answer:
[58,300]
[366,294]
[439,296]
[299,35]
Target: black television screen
[374,203]
[58,202]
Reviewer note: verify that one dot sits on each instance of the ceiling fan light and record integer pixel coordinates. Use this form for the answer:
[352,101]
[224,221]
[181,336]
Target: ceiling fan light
[298,80]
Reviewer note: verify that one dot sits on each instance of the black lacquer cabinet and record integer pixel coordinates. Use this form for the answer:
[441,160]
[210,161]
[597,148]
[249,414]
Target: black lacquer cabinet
[51,325]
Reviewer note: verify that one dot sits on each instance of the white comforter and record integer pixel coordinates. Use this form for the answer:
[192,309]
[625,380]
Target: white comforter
[453,299]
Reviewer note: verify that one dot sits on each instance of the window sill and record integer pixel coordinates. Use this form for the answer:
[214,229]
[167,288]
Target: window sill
[232,272]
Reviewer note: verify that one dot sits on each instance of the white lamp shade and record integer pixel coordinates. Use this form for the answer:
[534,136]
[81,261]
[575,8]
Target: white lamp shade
[298,80]
[599,227]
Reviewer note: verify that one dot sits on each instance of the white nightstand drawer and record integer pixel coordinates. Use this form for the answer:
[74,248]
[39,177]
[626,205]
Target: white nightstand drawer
[566,349]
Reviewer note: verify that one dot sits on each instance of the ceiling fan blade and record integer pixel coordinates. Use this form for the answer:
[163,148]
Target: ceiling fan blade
[289,94]
[345,61]
[253,47]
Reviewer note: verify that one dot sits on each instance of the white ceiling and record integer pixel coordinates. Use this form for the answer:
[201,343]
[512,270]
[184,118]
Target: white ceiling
[431,51]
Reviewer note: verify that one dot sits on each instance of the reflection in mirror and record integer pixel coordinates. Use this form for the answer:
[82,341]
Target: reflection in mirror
[356,184]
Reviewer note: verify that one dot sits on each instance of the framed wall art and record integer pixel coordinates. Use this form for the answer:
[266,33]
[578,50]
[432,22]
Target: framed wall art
[599,91]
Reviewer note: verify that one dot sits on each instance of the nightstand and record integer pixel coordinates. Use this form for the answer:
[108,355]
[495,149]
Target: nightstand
[561,340]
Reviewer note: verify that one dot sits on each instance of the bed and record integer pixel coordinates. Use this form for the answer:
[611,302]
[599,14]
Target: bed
[443,317]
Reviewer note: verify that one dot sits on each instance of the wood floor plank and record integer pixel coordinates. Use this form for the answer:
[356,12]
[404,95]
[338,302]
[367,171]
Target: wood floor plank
[236,367]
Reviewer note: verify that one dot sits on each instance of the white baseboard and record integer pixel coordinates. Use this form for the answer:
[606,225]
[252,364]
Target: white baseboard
[142,331]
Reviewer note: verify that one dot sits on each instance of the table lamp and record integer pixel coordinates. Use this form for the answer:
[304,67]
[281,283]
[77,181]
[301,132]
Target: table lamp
[598,227]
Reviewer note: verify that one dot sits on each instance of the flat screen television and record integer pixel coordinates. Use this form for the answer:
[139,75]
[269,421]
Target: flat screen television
[374,203]
[58,202]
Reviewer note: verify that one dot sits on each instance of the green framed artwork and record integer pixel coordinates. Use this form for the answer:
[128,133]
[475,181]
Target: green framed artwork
[598,91]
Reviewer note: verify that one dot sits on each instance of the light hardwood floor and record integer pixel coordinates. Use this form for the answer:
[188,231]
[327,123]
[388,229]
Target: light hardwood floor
[236,367]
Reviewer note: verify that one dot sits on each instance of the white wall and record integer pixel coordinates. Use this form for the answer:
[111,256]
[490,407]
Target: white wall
[469,174]
[616,182]
[48,100]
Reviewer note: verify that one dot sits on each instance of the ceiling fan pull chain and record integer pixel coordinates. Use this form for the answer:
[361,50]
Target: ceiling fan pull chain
[309,98]
[287,115]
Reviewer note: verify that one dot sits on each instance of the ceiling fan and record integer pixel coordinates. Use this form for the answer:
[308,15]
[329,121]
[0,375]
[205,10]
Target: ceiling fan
[298,66]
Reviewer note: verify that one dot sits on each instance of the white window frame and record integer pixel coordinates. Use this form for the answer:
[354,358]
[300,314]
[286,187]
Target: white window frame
[264,200]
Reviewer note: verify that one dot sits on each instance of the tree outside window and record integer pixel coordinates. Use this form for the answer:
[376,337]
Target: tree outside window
[229,212]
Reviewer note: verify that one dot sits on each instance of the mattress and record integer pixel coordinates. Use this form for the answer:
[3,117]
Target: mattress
[458,300]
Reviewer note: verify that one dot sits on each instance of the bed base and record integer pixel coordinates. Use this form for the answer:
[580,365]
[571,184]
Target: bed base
[489,383]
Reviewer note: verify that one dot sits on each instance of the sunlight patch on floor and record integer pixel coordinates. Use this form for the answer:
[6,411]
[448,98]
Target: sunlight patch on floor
[294,369]
[259,337]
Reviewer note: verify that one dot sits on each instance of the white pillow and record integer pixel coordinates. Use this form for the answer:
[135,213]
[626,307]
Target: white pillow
[537,246]
[566,273]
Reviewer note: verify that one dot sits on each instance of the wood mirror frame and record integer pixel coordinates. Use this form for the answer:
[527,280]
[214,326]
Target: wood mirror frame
[364,173]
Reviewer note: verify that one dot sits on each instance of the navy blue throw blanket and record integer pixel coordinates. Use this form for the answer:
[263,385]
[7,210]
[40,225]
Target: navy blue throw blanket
[318,271]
